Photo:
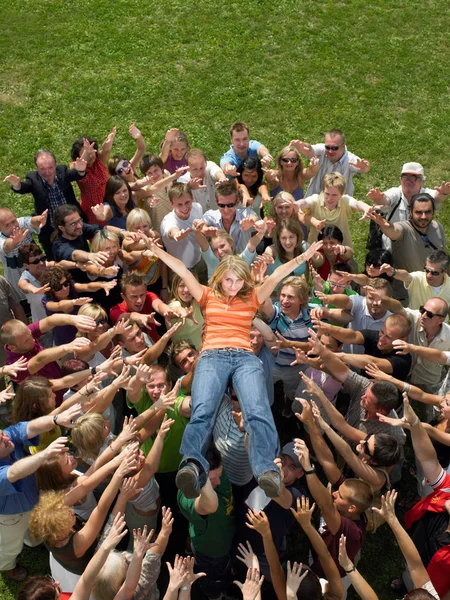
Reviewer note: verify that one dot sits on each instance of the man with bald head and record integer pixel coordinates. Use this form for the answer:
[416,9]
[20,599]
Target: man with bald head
[51,187]
[429,331]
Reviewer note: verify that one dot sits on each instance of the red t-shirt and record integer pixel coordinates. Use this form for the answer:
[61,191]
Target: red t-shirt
[50,370]
[122,308]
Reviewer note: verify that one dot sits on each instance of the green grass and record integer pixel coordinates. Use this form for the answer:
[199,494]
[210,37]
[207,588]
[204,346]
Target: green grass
[379,71]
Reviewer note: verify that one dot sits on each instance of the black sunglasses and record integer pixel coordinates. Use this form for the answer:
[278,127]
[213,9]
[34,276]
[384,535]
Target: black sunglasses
[432,272]
[430,315]
[286,160]
[227,205]
[58,287]
[365,445]
[37,261]
[101,321]
[327,147]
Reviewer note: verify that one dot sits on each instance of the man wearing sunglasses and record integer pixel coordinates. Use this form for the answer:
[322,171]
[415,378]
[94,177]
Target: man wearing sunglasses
[242,147]
[50,186]
[414,239]
[432,282]
[238,222]
[14,233]
[396,201]
[333,157]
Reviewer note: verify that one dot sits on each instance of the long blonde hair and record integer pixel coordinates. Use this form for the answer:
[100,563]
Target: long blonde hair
[239,267]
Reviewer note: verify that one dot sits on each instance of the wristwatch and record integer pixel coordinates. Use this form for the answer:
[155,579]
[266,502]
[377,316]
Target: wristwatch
[313,470]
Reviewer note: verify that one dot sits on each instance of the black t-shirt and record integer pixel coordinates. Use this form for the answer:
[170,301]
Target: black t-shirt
[63,248]
[401,364]
[429,534]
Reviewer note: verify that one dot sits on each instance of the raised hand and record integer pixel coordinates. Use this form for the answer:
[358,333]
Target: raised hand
[167,520]
[13,180]
[444,188]
[258,521]
[19,235]
[129,460]
[402,347]
[14,368]
[311,386]
[127,435]
[251,586]
[171,135]
[408,413]
[177,574]
[69,417]
[315,247]
[134,131]
[258,270]
[361,164]
[80,165]
[300,358]
[123,379]
[164,427]
[387,510]
[82,300]
[304,513]
[230,170]
[247,223]
[303,147]
[116,533]
[55,448]
[301,450]
[114,360]
[142,541]
[294,578]
[181,233]
[7,394]
[196,183]
[191,577]
[272,175]
[375,195]
[306,415]
[266,160]
[343,558]
[375,372]
[280,342]
[247,556]
[166,401]
[129,489]
[320,422]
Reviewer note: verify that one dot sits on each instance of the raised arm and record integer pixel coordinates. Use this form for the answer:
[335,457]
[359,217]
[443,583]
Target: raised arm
[413,391]
[318,490]
[346,336]
[361,586]
[303,516]
[431,354]
[178,267]
[266,289]
[392,231]
[140,149]
[207,503]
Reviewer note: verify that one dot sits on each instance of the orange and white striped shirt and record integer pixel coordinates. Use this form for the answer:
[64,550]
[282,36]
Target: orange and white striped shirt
[227,323]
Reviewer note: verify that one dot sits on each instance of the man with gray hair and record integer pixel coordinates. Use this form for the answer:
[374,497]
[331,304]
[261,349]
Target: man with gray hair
[396,201]
[51,187]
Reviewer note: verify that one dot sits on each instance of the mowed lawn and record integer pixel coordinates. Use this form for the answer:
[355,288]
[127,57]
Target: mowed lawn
[379,71]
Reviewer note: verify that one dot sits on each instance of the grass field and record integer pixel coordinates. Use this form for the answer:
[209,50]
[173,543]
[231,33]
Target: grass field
[379,71]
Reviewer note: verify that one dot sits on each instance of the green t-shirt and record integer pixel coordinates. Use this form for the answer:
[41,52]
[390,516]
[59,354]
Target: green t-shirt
[170,457]
[211,535]
[326,290]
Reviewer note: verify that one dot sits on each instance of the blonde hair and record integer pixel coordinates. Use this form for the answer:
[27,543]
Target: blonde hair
[223,235]
[111,576]
[49,518]
[279,198]
[88,435]
[101,237]
[239,267]
[300,286]
[136,217]
[334,180]
[93,310]
[299,166]
[175,283]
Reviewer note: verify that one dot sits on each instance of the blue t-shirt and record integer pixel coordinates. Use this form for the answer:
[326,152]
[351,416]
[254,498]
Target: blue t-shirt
[292,329]
[22,495]
[232,158]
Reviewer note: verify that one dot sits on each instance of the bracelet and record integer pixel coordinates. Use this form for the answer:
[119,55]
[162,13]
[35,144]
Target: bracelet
[351,570]
[313,470]
[416,422]
[54,420]
[185,587]
[93,370]
[109,333]
[302,259]
[406,387]
[394,271]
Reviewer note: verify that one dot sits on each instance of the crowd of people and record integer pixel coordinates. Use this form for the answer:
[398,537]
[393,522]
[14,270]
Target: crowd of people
[161,339]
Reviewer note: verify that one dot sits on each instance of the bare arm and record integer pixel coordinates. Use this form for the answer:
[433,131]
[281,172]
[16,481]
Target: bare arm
[207,503]
[361,360]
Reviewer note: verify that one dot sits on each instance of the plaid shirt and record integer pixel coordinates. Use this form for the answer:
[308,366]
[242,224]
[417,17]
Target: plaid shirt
[55,197]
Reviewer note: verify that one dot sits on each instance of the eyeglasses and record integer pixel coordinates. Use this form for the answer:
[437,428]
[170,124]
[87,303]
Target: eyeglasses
[365,445]
[433,272]
[123,164]
[334,284]
[99,322]
[286,160]
[430,315]
[74,224]
[59,286]
[227,205]
[328,147]
[38,260]
[410,176]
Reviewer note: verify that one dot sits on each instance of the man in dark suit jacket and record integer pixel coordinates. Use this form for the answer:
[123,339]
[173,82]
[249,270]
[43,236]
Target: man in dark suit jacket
[51,187]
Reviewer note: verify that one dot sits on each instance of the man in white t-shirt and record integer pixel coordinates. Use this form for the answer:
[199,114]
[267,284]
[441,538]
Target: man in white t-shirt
[176,231]
[202,178]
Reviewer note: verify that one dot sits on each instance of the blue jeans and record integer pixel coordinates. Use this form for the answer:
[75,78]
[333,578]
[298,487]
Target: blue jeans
[216,369]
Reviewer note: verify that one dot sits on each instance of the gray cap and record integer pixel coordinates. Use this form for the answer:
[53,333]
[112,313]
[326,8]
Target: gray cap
[289,450]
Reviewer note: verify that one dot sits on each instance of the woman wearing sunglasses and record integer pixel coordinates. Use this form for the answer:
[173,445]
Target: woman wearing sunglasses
[62,295]
[290,175]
